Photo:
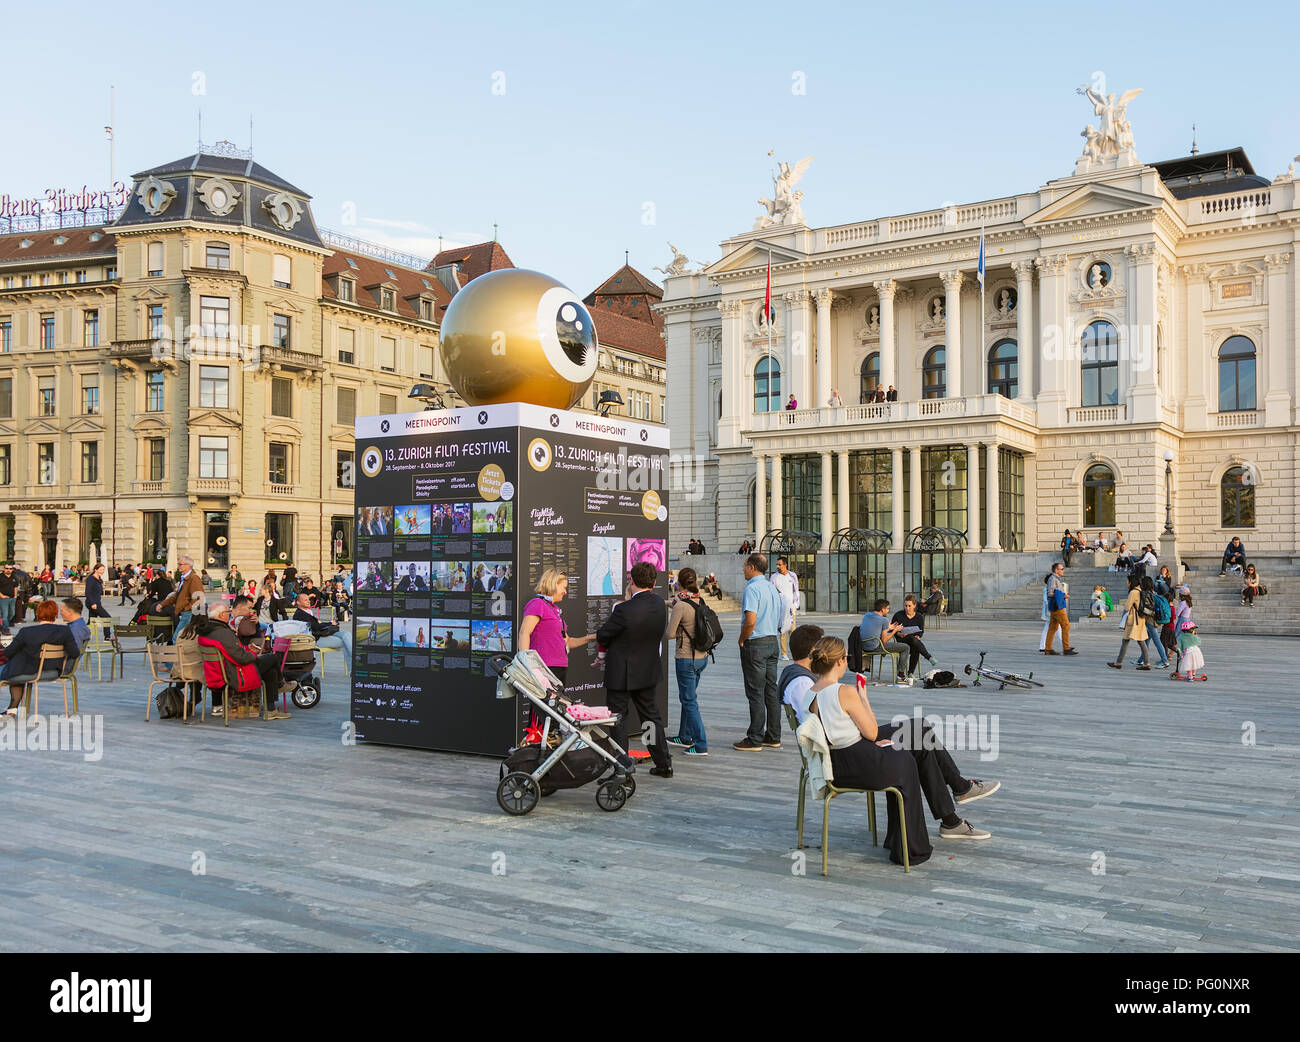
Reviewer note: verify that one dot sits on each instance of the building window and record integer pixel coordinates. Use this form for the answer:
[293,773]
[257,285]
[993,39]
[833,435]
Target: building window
[6,333]
[387,354]
[157,459]
[27,281]
[214,457]
[81,276]
[943,487]
[1237,498]
[90,324]
[347,346]
[1003,369]
[1098,496]
[426,311]
[7,398]
[801,490]
[214,387]
[663,409]
[155,536]
[47,332]
[1011,499]
[934,376]
[871,487]
[6,466]
[280,330]
[347,290]
[767,385]
[1237,375]
[386,300]
[155,258]
[214,317]
[281,270]
[1100,352]
[45,463]
[90,395]
[45,396]
[278,471]
[387,404]
[281,396]
[110,272]
[869,377]
[154,398]
[279,538]
[346,406]
[155,315]
[89,462]
[218,255]
[344,477]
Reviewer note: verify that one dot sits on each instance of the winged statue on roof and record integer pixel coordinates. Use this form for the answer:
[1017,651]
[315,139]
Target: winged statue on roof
[1114,134]
[677,266]
[784,207]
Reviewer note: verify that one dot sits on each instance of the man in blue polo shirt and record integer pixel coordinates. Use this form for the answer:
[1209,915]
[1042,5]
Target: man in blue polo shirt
[759,653]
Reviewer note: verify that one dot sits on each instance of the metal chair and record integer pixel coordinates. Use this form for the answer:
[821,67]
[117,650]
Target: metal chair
[161,628]
[189,671]
[50,655]
[163,659]
[231,689]
[98,646]
[832,791]
[347,666]
[126,632]
[877,650]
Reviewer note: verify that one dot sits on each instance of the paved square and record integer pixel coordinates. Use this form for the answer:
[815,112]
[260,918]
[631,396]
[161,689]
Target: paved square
[307,844]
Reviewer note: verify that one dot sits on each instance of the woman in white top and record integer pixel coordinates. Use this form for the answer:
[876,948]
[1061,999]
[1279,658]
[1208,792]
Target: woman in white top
[869,755]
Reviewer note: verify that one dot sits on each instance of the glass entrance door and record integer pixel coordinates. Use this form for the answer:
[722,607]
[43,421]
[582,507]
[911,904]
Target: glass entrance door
[216,523]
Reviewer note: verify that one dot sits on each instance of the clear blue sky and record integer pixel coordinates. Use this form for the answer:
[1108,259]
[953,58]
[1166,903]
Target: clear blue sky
[609,107]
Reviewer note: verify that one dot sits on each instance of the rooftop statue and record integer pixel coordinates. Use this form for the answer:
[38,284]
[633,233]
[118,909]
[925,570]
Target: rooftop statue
[784,208]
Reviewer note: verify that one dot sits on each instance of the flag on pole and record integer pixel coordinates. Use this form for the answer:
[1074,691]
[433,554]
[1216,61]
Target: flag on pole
[981,256]
[767,297]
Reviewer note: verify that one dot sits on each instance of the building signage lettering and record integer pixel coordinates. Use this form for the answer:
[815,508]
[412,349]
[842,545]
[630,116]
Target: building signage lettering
[1236,289]
[16,507]
[60,200]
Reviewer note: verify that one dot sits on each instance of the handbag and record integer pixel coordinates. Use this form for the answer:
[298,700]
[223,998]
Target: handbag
[1261,591]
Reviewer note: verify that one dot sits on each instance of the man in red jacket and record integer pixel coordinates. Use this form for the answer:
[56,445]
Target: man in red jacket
[214,629]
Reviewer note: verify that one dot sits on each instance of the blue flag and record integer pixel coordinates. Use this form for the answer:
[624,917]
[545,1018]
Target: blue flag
[981,256]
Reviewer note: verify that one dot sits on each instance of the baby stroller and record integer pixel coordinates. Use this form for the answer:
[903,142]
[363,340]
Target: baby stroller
[298,662]
[565,747]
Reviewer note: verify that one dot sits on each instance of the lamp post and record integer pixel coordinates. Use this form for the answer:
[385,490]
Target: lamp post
[1168,542]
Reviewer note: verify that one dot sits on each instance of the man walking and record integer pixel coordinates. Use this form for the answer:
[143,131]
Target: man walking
[759,654]
[632,637]
[1057,600]
[787,585]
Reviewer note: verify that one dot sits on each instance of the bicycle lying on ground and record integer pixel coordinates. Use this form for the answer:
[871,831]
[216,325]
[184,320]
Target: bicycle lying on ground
[1002,679]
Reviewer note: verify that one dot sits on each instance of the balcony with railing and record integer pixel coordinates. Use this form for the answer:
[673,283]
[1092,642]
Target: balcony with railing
[1234,420]
[1244,207]
[288,359]
[278,490]
[948,219]
[152,488]
[1093,415]
[213,487]
[928,409]
[138,350]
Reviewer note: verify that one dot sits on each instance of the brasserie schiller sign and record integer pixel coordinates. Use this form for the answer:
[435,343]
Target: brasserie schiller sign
[61,200]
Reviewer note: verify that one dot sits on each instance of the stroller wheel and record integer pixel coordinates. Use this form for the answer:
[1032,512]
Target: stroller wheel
[518,793]
[611,795]
[306,695]
[629,784]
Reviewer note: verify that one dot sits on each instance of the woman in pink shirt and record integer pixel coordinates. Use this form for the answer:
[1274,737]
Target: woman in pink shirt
[543,627]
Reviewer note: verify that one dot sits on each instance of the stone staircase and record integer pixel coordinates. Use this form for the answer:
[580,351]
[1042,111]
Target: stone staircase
[1216,603]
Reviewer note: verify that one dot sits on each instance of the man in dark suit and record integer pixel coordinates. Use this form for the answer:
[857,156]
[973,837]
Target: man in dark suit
[633,638]
[24,652]
[891,395]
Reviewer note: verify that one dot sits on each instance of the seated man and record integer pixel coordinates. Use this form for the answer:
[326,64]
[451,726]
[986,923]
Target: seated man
[1235,553]
[244,620]
[327,636]
[214,630]
[878,633]
[796,680]
[70,612]
[934,603]
[24,653]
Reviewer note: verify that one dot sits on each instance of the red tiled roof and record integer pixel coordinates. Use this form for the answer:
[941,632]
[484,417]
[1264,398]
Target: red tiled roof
[43,247]
[627,280]
[368,271]
[615,331]
[473,261]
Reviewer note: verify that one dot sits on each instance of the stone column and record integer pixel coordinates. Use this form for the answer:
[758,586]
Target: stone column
[972,495]
[1272,393]
[896,498]
[1026,342]
[778,486]
[915,506]
[799,350]
[1144,395]
[845,505]
[1057,348]
[733,354]
[825,351]
[952,283]
[760,498]
[1196,404]
[828,521]
[993,506]
[888,367]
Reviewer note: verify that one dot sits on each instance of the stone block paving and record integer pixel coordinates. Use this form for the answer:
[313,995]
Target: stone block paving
[281,837]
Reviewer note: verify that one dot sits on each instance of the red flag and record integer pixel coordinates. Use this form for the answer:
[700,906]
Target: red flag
[767,297]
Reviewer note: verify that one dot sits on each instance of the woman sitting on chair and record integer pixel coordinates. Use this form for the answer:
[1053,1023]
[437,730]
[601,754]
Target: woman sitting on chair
[869,755]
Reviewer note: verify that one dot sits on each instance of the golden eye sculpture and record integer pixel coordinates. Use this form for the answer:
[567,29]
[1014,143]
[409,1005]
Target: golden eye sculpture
[518,336]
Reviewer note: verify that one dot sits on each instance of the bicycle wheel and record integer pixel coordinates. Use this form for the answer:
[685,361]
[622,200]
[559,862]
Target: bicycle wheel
[1021,682]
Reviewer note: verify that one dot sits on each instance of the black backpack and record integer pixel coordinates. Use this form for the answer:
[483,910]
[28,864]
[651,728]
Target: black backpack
[708,630]
[1147,605]
[169,703]
[855,649]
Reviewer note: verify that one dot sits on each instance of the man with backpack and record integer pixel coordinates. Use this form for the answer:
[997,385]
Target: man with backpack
[695,627]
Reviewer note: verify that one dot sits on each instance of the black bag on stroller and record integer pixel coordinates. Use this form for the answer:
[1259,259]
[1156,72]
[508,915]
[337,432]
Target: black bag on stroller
[576,767]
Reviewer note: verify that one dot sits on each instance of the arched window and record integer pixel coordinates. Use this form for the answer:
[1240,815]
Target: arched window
[870,375]
[1237,498]
[1098,496]
[767,385]
[1003,369]
[1237,374]
[1100,351]
[934,373]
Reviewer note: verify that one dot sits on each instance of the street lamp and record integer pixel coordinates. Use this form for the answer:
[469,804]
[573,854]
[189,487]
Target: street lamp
[1169,509]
